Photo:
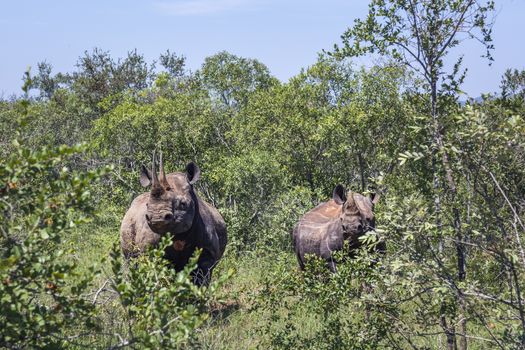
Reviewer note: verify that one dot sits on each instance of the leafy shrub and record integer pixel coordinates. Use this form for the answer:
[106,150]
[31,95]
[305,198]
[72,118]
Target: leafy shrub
[318,309]
[41,292]
[43,300]
[161,307]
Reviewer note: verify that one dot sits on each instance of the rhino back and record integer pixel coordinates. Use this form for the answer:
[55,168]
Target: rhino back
[323,213]
[316,228]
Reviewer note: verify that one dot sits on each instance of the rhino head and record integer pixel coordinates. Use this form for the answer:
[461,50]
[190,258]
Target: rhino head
[171,206]
[356,215]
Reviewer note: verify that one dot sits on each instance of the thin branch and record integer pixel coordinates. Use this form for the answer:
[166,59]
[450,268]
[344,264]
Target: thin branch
[421,63]
[516,216]
[99,291]
[416,27]
[454,32]
[491,298]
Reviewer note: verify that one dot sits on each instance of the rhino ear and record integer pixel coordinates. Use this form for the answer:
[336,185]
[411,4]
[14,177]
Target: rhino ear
[374,198]
[339,195]
[193,172]
[145,177]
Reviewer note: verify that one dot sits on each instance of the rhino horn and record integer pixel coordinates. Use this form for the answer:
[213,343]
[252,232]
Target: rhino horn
[163,180]
[352,205]
[155,183]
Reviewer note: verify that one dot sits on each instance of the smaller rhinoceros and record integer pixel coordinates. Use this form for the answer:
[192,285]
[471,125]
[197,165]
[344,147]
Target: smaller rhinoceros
[325,228]
[173,208]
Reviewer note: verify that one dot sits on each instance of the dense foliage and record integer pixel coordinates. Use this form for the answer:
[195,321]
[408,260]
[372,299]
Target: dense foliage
[269,151]
[40,204]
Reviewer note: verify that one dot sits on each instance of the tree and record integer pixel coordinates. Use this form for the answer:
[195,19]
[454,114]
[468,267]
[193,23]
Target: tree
[99,76]
[420,34]
[231,78]
[44,81]
[513,84]
[173,64]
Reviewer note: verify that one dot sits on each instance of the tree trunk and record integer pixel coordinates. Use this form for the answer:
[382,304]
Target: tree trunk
[437,147]
[451,189]
[361,170]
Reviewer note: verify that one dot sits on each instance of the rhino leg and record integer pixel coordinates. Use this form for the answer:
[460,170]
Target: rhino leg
[202,274]
[329,245]
[330,262]
[300,259]
[297,248]
[381,247]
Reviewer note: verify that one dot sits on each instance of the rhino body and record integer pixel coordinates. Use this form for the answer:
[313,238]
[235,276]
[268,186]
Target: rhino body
[173,208]
[324,229]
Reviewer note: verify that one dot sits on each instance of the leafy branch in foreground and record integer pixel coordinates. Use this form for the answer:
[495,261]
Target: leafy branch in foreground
[41,200]
[161,307]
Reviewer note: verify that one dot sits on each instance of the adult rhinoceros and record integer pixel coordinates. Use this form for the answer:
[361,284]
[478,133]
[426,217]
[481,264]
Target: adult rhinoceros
[173,208]
[325,228]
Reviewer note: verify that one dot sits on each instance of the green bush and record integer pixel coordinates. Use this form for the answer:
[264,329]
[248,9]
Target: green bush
[161,307]
[41,291]
[317,309]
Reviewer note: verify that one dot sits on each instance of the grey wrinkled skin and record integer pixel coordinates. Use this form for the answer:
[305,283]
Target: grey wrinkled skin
[173,208]
[324,229]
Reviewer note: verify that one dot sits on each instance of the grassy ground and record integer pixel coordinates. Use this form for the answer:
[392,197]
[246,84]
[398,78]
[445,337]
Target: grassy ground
[238,318]
[232,324]
[234,321]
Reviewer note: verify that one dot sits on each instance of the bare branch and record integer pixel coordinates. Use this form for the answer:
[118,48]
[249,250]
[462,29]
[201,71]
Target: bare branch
[455,30]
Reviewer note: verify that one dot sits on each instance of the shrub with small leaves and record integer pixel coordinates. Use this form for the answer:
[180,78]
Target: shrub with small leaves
[325,310]
[41,200]
[162,307]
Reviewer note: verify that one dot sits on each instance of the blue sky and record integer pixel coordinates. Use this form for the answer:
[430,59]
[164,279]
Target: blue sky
[285,35]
